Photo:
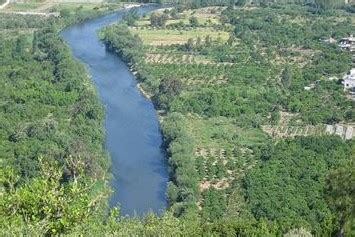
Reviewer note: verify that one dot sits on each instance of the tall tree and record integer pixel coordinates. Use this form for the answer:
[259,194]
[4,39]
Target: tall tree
[328,4]
[341,193]
[286,77]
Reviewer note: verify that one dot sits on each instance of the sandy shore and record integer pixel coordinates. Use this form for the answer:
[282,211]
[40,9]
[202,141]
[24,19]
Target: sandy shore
[144,93]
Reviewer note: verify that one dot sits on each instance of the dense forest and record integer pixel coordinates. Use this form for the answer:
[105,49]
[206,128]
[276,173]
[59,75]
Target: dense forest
[215,92]
[51,131]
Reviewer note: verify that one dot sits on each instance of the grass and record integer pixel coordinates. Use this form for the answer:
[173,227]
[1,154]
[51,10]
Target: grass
[168,37]
[75,6]
[166,58]
[222,133]
[49,6]
[185,21]
[205,16]
[23,6]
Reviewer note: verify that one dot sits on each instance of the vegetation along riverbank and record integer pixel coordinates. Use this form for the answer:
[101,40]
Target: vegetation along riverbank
[253,111]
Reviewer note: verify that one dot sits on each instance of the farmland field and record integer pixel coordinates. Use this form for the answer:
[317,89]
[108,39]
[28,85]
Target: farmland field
[168,37]
[58,5]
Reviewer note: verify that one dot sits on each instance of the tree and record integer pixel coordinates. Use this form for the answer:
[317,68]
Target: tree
[190,44]
[328,4]
[64,13]
[46,203]
[35,42]
[20,45]
[131,17]
[170,87]
[172,193]
[286,77]
[341,193]
[300,167]
[158,19]
[241,3]
[193,21]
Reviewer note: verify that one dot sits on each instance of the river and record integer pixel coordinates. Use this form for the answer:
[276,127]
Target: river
[133,136]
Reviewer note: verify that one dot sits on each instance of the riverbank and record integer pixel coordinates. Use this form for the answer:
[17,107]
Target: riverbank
[143,92]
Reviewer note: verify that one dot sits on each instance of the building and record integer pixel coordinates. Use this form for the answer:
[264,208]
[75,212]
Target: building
[348,43]
[349,80]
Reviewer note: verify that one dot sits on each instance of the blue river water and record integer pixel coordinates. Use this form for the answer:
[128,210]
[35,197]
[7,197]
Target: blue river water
[133,136]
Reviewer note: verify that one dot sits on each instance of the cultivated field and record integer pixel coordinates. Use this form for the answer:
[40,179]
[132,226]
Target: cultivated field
[168,37]
[57,5]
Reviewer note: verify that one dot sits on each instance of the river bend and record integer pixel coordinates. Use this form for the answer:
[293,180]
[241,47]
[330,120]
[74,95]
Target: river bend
[133,136]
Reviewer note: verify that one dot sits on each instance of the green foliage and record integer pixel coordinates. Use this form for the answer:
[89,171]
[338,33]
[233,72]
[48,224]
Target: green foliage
[158,19]
[131,16]
[184,176]
[328,4]
[193,21]
[48,109]
[288,188]
[341,193]
[45,203]
[214,204]
[127,46]
[286,77]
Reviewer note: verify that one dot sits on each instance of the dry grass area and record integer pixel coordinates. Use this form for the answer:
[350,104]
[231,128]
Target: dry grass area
[161,58]
[294,131]
[171,58]
[288,129]
[205,16]
[168,37]
[299,57]
[14,33]
[205,81]
[50,5]
[218,184]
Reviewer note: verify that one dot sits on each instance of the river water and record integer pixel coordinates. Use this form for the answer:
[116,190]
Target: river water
[133,137]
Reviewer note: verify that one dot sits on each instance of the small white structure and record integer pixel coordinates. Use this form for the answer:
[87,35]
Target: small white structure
[349,133]
[349,80]
[348,43]
[310,87]
[339,130]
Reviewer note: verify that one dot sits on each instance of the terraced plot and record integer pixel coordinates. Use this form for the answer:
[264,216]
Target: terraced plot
[157,37]
[284,131]
[221,149]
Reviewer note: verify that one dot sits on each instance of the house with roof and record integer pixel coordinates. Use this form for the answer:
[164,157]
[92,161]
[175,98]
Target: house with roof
[349,80]
[348,43]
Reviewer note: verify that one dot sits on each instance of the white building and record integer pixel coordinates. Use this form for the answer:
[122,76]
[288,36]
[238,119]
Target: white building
[348,43]
[349,80]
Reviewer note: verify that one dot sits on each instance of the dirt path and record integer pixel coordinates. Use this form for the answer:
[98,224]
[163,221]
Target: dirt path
[5,4]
